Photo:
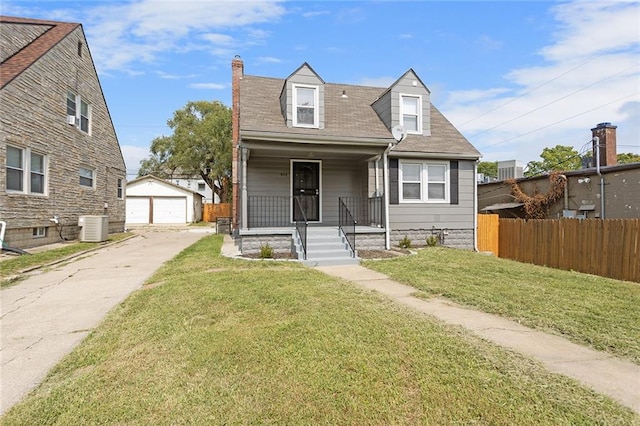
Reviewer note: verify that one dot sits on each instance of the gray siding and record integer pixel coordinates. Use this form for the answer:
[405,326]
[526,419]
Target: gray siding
[383,108]
[426,215]
[405,86]
[304,75]
[267,176]
[33,116]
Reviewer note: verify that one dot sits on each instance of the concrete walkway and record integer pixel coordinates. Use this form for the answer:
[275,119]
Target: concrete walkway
[45,316]
[601,372]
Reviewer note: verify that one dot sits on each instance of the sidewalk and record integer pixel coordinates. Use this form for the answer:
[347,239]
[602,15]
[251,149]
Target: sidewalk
[50,312]
[601,372]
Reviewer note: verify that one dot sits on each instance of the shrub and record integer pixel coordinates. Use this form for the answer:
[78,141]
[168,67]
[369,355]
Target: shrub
[266,251]
[432,240]
[405,243]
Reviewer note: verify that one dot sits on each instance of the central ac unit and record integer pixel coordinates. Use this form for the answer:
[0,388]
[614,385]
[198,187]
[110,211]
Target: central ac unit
[71,120]
[93,229]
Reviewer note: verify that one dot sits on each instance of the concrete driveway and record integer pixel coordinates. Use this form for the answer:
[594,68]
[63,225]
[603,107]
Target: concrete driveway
[48,314]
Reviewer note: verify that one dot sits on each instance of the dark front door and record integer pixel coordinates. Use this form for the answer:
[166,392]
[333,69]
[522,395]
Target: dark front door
[306,188]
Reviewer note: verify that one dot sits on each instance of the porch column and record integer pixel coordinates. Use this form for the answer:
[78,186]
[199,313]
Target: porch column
[245,216]
[385,176]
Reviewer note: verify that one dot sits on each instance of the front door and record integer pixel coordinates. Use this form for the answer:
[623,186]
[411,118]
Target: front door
[306,187]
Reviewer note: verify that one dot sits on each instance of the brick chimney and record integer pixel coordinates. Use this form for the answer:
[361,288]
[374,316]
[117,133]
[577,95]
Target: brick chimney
[606,134]
[237,71]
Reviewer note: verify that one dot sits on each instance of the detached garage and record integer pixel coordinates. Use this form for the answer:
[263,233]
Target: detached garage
[151,200]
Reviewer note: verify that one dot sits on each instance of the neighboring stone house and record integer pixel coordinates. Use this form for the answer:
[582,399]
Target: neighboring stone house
[611,191]
[369,165]
[59,151]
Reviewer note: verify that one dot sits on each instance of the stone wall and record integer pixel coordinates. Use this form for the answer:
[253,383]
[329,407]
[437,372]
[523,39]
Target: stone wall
[250,244]
[33,118]
[456,238]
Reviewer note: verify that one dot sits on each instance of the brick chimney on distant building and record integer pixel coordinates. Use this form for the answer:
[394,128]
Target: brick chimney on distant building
[606,134]
[237,71]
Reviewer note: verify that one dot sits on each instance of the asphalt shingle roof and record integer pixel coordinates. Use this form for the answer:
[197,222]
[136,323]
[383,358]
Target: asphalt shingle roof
[350,118]
[19,53]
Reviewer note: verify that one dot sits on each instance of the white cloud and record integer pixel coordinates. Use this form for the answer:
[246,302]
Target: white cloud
[146,30]
[315,13]
[268,60]
[589,75]
[132,156]
[209,86]
[377,81]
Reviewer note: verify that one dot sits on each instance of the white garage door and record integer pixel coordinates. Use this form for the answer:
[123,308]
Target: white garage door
[138,210]
[170,210]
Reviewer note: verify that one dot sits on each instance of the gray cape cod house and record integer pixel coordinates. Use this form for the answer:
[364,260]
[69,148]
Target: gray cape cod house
[323,170]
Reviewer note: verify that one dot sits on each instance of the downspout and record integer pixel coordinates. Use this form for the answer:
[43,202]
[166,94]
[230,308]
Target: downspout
[566,192]
[597,141]
[475,207]
[385,163]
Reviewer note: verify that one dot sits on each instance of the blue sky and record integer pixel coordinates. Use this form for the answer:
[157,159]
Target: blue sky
[512,76]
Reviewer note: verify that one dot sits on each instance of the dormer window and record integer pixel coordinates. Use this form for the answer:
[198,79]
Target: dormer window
[305,100]
[411,113]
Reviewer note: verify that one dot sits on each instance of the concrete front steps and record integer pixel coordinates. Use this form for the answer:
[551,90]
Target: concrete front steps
[325,246]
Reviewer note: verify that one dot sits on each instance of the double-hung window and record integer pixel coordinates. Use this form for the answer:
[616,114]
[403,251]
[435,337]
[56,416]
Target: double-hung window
[26,171]
[87,177]
[120,189]
[80,109]
[305,101]
[411,113]
[424,181]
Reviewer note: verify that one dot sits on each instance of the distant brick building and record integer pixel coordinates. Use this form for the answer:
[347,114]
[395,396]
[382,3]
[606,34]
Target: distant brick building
[59,153]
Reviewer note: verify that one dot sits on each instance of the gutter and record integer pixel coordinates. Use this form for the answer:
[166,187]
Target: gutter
[311,139]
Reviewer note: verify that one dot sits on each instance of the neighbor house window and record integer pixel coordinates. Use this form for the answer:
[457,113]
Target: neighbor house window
[26,171]
[39,232]
[120,189]
[424,181]
[86,177]
[411,113]
[82,114]
[305,101]
[201,187]
[15,169]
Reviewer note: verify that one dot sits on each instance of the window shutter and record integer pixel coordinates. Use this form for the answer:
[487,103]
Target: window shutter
[454,176]
[393,181]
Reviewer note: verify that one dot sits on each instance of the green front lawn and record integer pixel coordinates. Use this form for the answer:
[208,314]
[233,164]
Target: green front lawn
[594,311]
[211,340]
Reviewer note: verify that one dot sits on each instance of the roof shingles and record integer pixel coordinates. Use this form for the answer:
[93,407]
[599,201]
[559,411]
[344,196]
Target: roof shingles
[348,118]
[37,39]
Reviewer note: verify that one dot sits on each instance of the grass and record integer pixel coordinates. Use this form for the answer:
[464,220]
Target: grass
[10,267]
[598,312]
[211,340]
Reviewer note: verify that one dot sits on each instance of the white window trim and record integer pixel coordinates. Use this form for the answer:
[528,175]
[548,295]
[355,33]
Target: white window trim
[78,111]
[120,188]
[316,107]
[26,173]
[424,182]
[93,177]
[419,97]
[39,232]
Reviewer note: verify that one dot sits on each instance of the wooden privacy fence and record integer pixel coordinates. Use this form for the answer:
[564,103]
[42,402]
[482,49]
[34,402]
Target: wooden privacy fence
[211,212]
[488,231]
[609,248]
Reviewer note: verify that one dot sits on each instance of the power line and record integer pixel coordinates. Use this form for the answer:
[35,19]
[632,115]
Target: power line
[560,121]
[535,88]
[552,102]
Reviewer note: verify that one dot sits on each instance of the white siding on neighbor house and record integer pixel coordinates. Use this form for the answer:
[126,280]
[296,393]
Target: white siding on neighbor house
[425,215]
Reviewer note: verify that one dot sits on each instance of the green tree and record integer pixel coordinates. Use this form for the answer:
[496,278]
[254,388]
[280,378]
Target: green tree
[558,158]
[628,157]
[488,169]
[200,145]
[159,163]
